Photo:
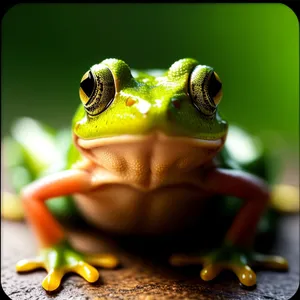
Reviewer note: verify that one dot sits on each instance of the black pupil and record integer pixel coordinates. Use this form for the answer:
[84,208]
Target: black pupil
[214,86]
[87,85]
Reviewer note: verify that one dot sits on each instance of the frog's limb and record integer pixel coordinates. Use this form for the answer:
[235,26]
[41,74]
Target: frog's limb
[56,255]
[232,258]
[62,208]
[61,259]
[236,254]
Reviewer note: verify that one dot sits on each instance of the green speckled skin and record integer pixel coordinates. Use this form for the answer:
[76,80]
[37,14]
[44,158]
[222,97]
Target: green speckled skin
[181,101]
[161,102]
[165,96]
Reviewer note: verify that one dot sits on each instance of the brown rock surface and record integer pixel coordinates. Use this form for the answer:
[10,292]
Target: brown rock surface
[143,276]
[145,273]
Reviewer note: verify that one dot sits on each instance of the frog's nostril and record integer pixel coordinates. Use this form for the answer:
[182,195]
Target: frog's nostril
[176,103]
[130,102]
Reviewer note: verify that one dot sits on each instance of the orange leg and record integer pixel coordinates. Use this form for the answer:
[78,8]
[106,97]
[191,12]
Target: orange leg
[252,190]
[56,255]
[46,228]
[236,251]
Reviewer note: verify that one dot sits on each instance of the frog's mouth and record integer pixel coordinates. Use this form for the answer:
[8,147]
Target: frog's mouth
[157,136]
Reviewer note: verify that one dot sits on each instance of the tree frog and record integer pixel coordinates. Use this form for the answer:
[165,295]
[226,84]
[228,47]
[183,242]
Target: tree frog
[147,154]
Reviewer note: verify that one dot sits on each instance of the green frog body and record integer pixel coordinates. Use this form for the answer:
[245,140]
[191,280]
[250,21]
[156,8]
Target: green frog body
[146,155]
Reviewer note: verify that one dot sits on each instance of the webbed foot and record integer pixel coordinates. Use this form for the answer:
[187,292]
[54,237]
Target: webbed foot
[62,259]
[234,259]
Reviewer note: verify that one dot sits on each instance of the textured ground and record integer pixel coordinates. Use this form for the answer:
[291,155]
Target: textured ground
[142,276]
[144,273]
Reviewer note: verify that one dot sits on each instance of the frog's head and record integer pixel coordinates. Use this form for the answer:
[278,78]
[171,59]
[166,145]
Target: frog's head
[180,102]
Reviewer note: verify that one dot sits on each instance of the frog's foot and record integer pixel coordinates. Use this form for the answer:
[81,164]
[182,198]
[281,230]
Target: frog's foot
[62,259]
[231,258]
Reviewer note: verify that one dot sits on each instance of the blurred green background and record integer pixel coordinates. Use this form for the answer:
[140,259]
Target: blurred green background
[46,48]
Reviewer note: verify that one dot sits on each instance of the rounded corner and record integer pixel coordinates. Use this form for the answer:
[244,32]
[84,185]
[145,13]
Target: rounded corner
[8,9]
[291,8]
[296,294]
[1,286]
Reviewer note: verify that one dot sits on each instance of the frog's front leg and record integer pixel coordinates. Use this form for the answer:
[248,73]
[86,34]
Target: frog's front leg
[236,253]
[56,254]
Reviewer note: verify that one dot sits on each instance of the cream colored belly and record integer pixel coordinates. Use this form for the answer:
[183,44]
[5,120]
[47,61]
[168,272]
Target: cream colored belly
[145,184]
[125,209]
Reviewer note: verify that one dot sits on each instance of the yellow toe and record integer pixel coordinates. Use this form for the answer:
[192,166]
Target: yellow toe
[210,271]
[52,281]
[271,262]
[245,274]
[86,271]
[102,260]
[26,265]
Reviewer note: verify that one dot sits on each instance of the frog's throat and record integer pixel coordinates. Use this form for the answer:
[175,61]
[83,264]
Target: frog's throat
[154,136]
[144,161]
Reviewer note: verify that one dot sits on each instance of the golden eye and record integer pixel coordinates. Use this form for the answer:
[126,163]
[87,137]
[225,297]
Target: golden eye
[205,89]
[97,89]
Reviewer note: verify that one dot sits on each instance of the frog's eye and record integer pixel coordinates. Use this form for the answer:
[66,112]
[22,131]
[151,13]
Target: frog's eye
[87,86]
[205,88]
[97,90]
